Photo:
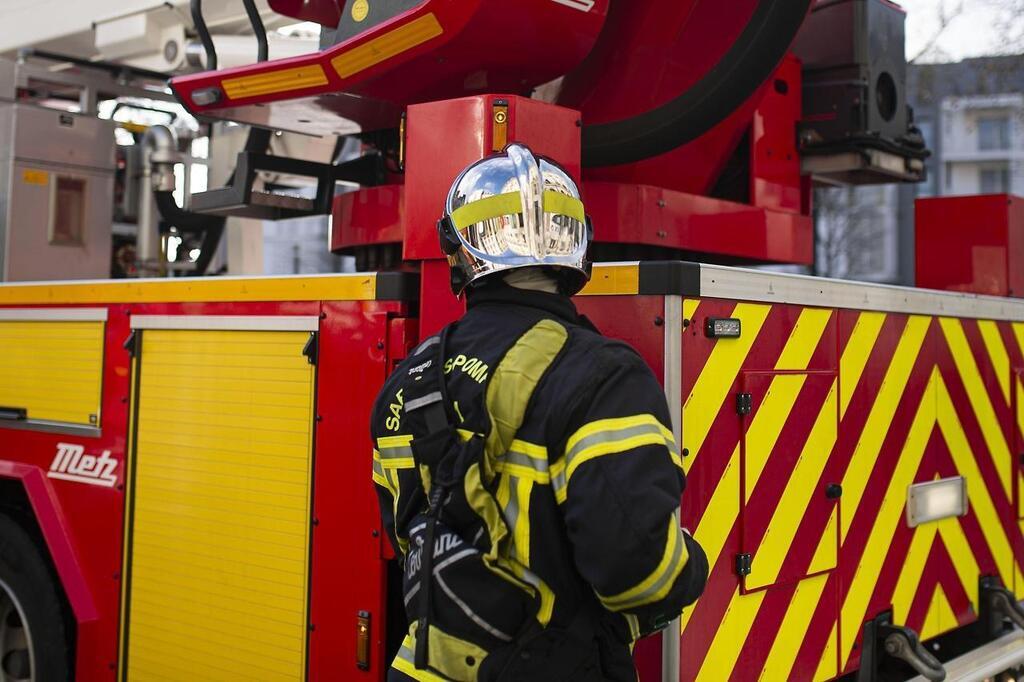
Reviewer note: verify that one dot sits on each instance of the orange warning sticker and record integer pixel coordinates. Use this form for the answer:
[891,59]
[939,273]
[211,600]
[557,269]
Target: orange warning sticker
[35,177]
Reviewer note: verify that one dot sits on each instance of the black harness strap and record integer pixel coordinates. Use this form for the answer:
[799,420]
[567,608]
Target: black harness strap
[428,396]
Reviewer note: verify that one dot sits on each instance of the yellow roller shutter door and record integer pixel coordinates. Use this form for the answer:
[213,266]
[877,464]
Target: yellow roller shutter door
[53,370]
[219,532]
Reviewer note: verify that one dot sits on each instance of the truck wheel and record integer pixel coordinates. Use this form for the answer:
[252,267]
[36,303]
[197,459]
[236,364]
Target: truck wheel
[33,646]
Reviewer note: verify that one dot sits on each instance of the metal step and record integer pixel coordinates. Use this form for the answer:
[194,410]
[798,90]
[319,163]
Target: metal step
[229,201]
[240,200]
[986,661]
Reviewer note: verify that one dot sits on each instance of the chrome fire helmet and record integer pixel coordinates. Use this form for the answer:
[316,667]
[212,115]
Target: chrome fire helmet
[513,210]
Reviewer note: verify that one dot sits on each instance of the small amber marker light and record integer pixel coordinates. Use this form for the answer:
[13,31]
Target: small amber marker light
[363,640]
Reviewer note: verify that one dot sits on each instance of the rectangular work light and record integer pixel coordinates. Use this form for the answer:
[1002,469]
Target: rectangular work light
[936,500]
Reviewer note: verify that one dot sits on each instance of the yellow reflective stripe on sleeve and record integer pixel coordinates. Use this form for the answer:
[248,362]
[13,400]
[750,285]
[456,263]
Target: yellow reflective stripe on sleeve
[391,476]
[405,662]
[634,626]
[525,460]
[673,448]
[657,585]
[378,473]
[396,452]
[609,437]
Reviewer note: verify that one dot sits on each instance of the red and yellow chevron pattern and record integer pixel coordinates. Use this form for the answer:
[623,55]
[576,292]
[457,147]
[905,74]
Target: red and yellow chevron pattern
[874,402]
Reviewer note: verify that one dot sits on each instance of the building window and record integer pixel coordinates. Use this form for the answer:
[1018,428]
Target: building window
[929,187]
[994,180]
[68,211]
[993,133]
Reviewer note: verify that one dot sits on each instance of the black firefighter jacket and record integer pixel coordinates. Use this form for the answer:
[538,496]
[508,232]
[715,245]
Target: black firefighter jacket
[591,486]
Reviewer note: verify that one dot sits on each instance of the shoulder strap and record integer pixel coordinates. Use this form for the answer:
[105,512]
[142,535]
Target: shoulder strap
[426,393]
[426,401]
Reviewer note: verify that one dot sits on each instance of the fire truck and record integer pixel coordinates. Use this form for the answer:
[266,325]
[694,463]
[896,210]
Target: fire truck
[185,463]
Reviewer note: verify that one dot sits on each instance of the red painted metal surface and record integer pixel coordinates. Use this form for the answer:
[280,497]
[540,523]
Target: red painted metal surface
[644,214]
[775,180]
[462,59]
[671,45]
[971,243]
[82,523]
[373,215]
[921,401]
[442,138]
[349,548]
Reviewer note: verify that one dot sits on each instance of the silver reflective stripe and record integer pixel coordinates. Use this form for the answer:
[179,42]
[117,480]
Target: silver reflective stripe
[511,511]
[532,579]
[433,341]
[558,480]
[611,436]
[428,399]
[472,615]
[406,654]
[412,593]
[378,469]
[397,452]
[520,459]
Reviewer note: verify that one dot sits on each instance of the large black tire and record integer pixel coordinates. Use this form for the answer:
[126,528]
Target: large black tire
[29,600]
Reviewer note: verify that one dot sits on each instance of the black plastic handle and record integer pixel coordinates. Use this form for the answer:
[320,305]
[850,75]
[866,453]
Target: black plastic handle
[13,413]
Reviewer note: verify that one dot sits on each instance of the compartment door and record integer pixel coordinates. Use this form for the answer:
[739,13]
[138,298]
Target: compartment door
[790,513]
[218,541]
[51,365]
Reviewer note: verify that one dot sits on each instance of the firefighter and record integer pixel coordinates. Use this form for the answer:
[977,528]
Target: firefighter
[525,464]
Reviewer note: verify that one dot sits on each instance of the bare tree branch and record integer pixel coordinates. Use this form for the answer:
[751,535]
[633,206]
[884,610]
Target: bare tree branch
[946,14]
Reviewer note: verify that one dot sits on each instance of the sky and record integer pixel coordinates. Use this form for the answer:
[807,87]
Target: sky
[984,27]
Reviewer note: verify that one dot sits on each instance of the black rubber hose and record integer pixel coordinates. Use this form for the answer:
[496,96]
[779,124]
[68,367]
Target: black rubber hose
[262,50]
[258,141]
[754,56]
[211,226]
[211,240]
[204,34]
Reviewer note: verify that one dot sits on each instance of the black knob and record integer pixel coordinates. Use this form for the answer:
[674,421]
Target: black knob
[833,491]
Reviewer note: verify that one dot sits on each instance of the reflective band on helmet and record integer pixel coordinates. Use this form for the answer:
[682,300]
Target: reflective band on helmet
[511,203]
[563,204]
[485,209]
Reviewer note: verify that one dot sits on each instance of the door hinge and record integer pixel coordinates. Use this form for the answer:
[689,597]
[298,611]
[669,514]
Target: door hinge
[131,344]
[312,348]
[743,563]
[744,403]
